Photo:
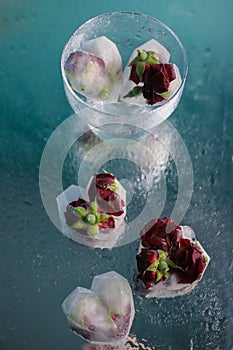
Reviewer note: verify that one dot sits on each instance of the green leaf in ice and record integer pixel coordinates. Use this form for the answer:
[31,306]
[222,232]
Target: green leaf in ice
[105,92]
[137,90]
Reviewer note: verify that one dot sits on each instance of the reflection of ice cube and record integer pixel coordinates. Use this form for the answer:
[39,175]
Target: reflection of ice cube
[106,238]
[91,314]
[170,287]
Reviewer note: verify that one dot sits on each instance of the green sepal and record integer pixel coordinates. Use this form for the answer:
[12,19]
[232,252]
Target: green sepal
[79,225]
[137,90]
[165,94]
[93,230]
[145,57]
[162,254]
[173,265]
[153,266]
[140,67]
[80,211]
[158,276]
[94,207]
[104,217]
[163,266]
[105,92]
[113,187]
[152,60]
[90,219]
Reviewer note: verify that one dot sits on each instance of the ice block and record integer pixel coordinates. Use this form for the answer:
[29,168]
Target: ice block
[104,314]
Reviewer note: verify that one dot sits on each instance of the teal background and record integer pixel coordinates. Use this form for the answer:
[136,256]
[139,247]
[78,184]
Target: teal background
[39,266]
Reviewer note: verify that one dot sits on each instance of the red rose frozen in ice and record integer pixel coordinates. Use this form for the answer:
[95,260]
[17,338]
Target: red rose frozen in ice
[190,258]
[88,217]
[104,188]
[145,259]
[151,77]
[161,234]
[70,216]
[156,79]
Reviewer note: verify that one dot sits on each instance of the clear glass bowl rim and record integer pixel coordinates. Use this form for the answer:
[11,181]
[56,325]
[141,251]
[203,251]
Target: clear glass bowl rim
[148,108]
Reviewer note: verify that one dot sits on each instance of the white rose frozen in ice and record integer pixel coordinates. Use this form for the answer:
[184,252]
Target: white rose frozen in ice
[96,70]
[99,315]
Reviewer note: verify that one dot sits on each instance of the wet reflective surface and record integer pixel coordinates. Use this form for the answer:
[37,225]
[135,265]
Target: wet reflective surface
[39,266]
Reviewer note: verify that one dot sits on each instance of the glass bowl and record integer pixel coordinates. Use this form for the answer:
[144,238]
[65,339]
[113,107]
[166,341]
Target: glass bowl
[128,30]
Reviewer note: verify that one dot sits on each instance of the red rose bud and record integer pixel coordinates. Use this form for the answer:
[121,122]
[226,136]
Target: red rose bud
[87,217]
[70,215]
[109,223]
[134,75]
[161,234]
[149,278]
[153,266]
[104,188]
[154,76]
[103,180]
[80,203]
[190,258]
[145,259]
[156,79]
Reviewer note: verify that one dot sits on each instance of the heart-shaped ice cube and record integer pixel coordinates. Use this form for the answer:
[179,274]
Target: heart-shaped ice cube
[104,314]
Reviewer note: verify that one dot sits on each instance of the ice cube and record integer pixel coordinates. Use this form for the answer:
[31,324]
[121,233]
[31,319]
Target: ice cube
[163,56]
[115,291]
[107,50]
[106,237]
[96,70]
[87,315]
[96,316]
[171,287]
